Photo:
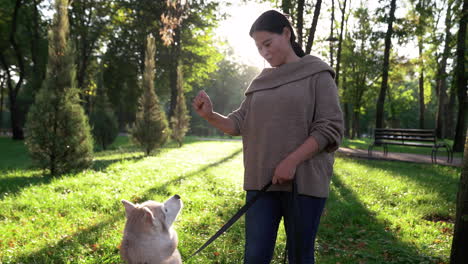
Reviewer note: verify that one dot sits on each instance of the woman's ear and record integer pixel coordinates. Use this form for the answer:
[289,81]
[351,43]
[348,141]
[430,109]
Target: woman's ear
[287,33]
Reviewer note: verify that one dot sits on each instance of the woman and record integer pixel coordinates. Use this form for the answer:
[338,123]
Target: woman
[290,122]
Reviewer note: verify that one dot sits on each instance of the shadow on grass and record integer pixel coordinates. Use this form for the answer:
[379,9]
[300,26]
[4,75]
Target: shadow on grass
[60,252]
[351,233]
[103,164]
[430,177]
[66,248]
[13,185]
[162,188]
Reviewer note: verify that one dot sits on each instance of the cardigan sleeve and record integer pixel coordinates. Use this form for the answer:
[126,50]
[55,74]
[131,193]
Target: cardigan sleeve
[238,116]
[327,124]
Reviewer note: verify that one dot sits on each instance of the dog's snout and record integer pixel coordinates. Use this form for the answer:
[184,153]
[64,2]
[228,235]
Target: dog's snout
[177,196]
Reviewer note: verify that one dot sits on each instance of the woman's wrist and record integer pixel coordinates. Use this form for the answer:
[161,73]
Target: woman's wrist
[209,116]
[293,160]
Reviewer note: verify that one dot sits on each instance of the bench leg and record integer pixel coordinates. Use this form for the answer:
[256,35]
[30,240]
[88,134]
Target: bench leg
[449,154]
[434,155]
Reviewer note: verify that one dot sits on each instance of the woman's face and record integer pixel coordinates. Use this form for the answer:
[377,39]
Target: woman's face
[273,47]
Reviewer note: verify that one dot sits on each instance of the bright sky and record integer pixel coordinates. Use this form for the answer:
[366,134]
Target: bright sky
[235,29]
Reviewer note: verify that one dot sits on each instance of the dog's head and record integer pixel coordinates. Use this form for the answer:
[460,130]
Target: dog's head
[152,215]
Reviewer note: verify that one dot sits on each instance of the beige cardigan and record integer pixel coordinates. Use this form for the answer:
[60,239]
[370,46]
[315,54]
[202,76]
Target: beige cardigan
[283,107]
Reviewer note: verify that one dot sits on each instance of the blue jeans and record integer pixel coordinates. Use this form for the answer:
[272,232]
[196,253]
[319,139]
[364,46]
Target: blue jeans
[262,222]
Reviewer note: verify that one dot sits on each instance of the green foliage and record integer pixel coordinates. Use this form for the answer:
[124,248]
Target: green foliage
[361,69]
[200,54]
[180,120]
[58,134]
[151,129]
[226,88]
[103,120]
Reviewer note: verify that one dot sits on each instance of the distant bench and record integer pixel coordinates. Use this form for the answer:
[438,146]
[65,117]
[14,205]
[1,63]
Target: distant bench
[409,137]
[5,132]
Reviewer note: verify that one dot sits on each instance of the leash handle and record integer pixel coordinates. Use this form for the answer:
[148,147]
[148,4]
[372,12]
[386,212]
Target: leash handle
[234,218]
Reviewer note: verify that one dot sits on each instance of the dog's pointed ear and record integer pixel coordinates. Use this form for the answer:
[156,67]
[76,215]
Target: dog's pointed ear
[129,207]
[148,215]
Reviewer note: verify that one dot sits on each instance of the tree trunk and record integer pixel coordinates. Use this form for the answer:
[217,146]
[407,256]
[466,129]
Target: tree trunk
[356,125]
[421,85]
[331,38]
[2,83]
[176,50]
[345,110]
[286,6]
[461,82]
[313,27]
[441,83]
[39,75]
[16,126]
[451,109]
[340,42]
[300,21]
[383,88]
[460,233]
[15,115]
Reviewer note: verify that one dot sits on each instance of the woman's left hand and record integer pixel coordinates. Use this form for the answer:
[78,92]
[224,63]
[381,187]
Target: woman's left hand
[284,172]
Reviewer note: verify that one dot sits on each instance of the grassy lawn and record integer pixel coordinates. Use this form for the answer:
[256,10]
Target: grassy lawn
[378,212]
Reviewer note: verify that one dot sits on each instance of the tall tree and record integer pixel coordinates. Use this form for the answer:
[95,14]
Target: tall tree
[420,16]
[90,21]
[23,56]
[151,129]
[124,58]
[360,62]
[331,38]
[59,136]
[300,21]
[441,77]
[180,120]
[340,41]
[2,83]
[15,115]
[460,232]
[38,47]
[313,27]
[461,83]
[171,35]
[102,118]
[379,122]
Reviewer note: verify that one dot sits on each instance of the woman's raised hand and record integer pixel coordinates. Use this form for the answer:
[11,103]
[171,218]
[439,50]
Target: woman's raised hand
[202,104]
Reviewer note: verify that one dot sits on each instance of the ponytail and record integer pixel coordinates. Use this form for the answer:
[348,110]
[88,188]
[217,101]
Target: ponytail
[297,49]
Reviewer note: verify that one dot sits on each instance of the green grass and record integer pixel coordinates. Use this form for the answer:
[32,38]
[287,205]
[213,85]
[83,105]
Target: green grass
[378,212]
[364,143]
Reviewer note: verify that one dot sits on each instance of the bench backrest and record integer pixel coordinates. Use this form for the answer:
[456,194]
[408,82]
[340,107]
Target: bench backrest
[402,135]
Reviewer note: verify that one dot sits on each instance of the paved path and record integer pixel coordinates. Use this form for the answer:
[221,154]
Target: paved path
[418,158]
[378,155]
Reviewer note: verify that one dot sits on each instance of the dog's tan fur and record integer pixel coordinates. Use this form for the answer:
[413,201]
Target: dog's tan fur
[148,236]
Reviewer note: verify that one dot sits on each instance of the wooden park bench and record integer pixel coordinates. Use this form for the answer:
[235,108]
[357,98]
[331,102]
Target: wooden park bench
[409,137]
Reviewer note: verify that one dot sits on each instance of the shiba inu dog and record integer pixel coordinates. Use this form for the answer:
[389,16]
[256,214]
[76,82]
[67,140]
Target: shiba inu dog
[148,235]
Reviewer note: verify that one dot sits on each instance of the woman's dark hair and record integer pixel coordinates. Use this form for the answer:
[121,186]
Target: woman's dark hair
[274,22]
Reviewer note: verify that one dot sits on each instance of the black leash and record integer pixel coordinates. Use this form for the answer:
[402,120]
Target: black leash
[294,224]
[294,228]
[233,219]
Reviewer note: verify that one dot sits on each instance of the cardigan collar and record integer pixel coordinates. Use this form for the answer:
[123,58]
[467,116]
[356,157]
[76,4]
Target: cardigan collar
[271,78]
